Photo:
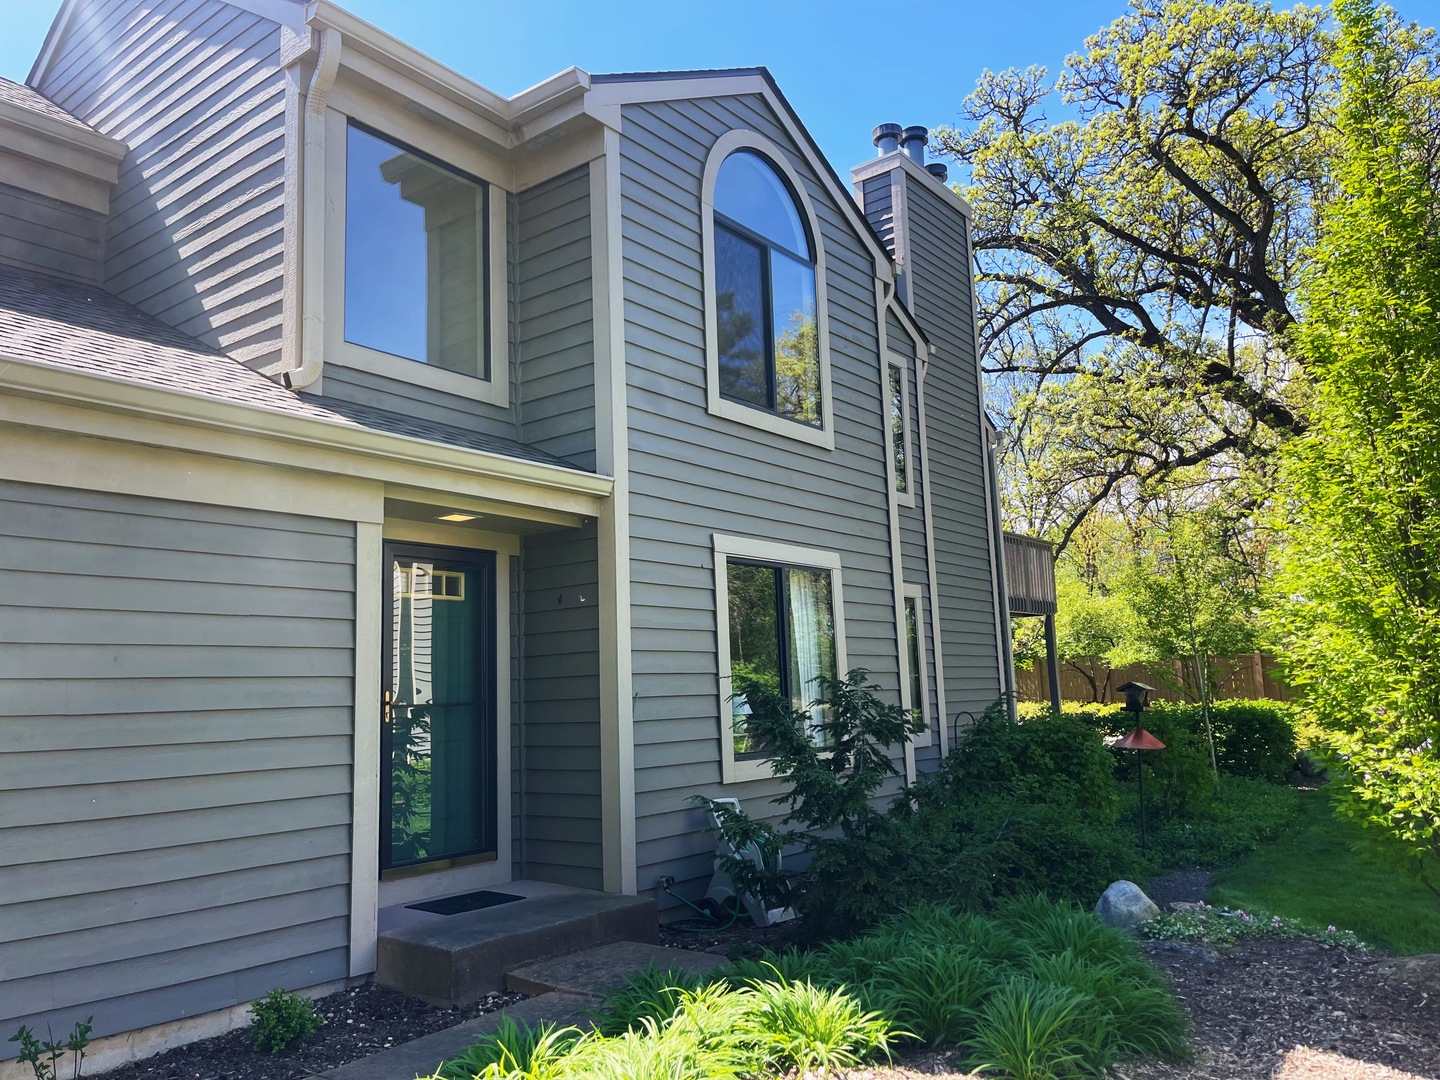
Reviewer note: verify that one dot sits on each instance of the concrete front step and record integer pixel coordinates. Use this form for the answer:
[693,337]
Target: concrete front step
[451,960]
[422,1056]
[598,971]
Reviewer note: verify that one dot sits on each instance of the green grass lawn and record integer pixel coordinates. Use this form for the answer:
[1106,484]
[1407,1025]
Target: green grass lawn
[1313,872]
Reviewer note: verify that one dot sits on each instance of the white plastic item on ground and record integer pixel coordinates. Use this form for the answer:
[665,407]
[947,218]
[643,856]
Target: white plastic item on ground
[722,891]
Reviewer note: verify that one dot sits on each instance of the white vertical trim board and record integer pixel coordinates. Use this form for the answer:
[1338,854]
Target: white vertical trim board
[617,706]
[365,813]
[776,554]
[932,575]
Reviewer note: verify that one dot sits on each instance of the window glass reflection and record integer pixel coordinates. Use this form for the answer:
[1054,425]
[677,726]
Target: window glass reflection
[750,192]
[740,318]
[414,258]
[797,348]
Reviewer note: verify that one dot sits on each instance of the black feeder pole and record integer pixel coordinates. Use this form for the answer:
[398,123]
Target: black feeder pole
[1137,696]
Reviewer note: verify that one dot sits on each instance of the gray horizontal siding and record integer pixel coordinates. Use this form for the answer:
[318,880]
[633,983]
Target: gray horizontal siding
[940,279]
[878,204]
[693,475]
[175,790]
[560,640]
[896,336]
[555,326]
[50,237]
[194,89]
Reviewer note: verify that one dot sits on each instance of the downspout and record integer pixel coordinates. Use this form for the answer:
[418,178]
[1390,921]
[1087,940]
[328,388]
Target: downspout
[312,215]
[1002,588]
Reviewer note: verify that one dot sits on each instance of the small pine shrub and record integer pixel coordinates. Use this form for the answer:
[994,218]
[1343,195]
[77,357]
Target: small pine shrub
[281,1020]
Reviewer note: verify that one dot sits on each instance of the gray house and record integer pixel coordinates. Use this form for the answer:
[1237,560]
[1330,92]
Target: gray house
[394,476]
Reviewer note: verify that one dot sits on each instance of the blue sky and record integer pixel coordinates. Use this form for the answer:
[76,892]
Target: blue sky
[845,65]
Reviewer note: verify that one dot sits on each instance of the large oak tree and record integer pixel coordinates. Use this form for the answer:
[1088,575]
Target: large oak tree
[1139,251]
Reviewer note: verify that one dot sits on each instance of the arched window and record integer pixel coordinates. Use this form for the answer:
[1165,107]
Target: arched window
[767,337]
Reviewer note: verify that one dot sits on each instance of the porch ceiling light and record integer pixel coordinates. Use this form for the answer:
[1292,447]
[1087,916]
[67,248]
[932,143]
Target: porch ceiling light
[457,516]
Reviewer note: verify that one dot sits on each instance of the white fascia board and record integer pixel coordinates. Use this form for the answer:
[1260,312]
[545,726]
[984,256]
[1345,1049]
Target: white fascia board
[105,152]
[199,410]
[616,93]
[901,160]
[410,65]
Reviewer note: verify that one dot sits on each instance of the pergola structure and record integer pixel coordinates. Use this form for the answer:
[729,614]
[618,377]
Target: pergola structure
[1030,589]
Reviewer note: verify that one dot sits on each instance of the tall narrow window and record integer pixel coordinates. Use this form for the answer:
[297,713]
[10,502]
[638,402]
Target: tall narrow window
[415,273]
[766,310]
[912,644]
[900,452]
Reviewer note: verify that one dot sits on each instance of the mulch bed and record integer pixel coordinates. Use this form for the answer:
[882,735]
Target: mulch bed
[1263,1010]
[358,1023]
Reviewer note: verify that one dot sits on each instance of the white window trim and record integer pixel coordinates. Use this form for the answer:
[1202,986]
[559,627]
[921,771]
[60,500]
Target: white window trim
[916,592]
[494,390]
[823,436]
[906,497]
[733,771]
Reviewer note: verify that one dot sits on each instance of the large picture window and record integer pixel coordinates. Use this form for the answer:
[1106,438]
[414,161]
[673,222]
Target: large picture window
[778,627]
[415,267]
[766,337]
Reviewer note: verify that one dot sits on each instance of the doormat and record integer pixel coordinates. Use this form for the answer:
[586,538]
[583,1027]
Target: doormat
[470,901]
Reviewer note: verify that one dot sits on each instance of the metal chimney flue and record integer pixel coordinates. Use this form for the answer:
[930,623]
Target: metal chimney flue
[914,140]
[939,170]
[887,138]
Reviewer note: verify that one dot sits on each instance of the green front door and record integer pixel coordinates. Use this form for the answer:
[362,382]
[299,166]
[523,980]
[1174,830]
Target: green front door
[438,767]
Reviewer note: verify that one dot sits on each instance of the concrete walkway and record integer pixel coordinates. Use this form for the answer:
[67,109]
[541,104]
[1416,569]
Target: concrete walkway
[565,990]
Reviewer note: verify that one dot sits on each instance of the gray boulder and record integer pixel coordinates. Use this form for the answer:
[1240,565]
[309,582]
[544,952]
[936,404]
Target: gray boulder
[1124,905]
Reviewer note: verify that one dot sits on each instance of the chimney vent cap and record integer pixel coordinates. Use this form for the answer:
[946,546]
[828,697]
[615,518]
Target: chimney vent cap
[939,170]
[887,138]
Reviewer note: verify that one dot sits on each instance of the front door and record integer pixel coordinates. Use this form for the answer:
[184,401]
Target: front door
[438,767]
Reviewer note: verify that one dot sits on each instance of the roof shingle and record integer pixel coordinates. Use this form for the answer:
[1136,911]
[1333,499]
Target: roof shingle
[27,98]
[68,324]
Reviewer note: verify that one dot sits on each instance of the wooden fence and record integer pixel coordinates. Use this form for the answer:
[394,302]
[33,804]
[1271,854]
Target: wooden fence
[1254,675]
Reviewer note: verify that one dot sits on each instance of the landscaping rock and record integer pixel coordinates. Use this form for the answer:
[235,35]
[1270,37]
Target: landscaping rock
[1124,905]
[1421,972]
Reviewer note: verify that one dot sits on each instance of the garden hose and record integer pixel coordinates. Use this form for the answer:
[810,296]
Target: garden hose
[695,926]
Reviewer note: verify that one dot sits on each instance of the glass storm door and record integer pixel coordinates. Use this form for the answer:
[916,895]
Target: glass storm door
[437,743]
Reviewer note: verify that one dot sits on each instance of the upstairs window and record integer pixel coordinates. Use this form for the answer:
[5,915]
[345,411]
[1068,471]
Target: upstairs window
[765,294]
[415,266]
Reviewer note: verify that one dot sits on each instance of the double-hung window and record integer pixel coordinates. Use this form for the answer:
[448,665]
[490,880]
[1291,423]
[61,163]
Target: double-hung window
[778,617]
[765,303]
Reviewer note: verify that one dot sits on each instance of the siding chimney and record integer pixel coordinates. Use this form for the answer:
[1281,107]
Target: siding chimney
[887,138]
[914,140]
[939,170]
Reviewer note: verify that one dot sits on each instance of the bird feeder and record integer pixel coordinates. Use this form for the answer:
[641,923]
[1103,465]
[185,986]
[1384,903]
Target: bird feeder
[1137,696]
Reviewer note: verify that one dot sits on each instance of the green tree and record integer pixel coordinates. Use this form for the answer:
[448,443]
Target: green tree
[1362,494]
[1138,262]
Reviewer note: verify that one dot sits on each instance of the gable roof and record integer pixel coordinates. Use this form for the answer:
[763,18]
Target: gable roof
[24,97]
[638,86]
[83,328]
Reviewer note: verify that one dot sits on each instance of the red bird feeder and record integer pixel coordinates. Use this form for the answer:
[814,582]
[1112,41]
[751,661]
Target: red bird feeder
[1136,697]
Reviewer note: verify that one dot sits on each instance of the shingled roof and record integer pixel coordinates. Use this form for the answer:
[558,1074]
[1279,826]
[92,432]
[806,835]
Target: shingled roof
[79,327]
[19,94]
